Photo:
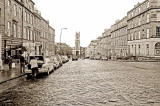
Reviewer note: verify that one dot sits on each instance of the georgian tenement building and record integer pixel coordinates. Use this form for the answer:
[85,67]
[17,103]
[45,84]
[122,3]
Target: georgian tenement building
[29,26]
[137,34]
[107,43]
[12,37]
[51,41]
[36,33]
[44,36]
[98,47]
[22,25]
[91,49]
[119,38]
[144,29]
[101,46]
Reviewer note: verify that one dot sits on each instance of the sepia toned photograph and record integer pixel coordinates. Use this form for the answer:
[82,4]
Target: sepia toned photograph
[79,52]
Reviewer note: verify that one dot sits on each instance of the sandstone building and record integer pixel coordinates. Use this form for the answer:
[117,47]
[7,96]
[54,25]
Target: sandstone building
[21,25]
[119,38]
[144,29]
[137,34]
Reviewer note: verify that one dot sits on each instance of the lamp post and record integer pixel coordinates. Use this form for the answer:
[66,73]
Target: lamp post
[61,37]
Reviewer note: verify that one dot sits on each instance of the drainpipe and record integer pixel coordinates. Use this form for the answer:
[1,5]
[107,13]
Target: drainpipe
[1,63]
[22,23]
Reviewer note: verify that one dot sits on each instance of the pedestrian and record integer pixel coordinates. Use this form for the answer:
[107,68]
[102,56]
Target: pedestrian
[10,62]
[34,66]
[22,64]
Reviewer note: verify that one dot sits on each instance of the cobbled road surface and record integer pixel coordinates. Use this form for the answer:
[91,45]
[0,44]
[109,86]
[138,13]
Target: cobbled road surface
[90,83]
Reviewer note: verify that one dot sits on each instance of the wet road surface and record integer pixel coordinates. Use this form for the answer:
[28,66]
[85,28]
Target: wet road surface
[90,83]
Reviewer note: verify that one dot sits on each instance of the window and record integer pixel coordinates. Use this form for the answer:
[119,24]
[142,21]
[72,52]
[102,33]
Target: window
[15,10]
[148,33]
[28,36]
[158,16]
[9,6]
[132,36]
[128,37]
[34,36]
[24,35]
[20,12]
[147,18]
[14,29]
[139,34]
[148,4]
[139,9]
[19,32]
[132,24]
[139,21]
[9,28]
[31,35]
[25,16]
[31,19]
[158,31]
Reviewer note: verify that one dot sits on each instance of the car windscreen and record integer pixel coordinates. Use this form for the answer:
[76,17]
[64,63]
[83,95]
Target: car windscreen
[37,57]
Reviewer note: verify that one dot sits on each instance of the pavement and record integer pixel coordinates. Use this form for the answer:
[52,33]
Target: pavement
[90,83]
[7,75]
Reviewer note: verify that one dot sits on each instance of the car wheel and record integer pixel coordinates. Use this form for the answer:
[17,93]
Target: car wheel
[35,74]
[29,76]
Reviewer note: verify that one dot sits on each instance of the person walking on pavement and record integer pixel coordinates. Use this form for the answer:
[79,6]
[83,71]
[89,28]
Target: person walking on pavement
[10,62]
[34,66]
[22,64]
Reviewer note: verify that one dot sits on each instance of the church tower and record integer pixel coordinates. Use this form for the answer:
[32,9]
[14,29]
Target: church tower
[77,44]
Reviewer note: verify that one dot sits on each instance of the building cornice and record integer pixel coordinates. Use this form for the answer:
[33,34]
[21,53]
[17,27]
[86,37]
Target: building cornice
[119,28]
[137,5]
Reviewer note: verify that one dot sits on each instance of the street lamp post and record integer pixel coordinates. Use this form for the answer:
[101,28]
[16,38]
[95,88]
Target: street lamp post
[61,37]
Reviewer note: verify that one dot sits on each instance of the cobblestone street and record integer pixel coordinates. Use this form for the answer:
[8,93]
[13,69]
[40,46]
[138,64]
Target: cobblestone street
[90,83]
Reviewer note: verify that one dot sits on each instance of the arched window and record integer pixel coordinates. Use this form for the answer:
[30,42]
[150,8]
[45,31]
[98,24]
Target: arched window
[157,45]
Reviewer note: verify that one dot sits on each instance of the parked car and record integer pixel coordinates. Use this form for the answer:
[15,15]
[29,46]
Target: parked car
[59,58]
[97,57]
[104,58]
[65,59]
[44,65]
[91,57]
[47,67]
[55,62]
[74,58]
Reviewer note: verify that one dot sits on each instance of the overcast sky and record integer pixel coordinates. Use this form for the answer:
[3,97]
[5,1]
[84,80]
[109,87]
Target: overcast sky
[89,17]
